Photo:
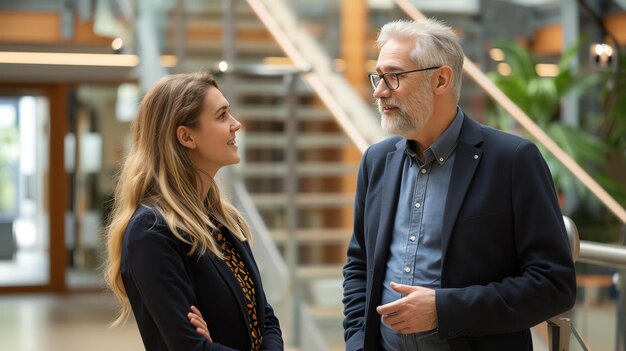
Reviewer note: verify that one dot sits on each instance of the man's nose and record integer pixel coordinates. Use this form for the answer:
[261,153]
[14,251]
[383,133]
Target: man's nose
[382,90]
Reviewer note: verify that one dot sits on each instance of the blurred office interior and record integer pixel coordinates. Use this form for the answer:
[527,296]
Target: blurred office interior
[295,72]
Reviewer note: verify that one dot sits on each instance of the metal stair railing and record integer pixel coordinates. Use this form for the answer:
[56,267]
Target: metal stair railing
[349,109]
[277,282]
[560,329]
[274,270]
[279,275]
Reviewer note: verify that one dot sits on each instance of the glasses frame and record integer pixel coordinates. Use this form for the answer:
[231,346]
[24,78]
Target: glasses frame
[383,77]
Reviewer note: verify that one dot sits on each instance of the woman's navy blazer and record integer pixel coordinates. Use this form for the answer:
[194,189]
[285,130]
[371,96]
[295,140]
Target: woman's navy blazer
[162,281]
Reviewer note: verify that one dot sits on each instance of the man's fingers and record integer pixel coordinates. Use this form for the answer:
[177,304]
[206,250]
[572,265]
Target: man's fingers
[403,289]
[399,325]
[389,309]
[391,319]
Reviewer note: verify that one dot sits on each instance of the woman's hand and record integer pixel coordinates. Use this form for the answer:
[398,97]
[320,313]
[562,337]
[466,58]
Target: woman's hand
[195,317]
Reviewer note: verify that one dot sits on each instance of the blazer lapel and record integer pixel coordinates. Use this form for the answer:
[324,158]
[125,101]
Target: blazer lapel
[229,277]
[388,205]
[255,275]
[467,158]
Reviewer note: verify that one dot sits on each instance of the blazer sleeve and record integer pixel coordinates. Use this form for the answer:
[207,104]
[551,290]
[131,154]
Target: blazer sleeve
[546,283]
[355,270]
[155,259]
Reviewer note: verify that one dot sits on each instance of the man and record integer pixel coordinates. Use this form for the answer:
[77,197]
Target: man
[458,242]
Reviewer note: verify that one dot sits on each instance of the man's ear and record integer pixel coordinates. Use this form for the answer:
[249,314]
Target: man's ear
[442,80]
[185,138]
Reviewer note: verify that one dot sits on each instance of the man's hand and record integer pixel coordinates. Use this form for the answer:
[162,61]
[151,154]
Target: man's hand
[416,312]
[195,317]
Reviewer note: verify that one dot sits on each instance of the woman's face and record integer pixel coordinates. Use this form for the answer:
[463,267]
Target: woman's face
[214,138]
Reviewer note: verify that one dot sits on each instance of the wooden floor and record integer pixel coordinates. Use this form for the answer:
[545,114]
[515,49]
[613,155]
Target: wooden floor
[63,323]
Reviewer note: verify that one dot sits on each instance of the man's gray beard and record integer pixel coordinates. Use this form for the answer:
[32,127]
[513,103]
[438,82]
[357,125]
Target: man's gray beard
[402,123]
[397,123]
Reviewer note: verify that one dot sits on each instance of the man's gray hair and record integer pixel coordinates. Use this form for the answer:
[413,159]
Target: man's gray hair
[435,44]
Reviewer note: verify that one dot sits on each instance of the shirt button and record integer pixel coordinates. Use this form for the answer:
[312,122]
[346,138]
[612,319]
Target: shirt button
[407,269]
[423,171]
[418,205]
[412,238]
[440,159]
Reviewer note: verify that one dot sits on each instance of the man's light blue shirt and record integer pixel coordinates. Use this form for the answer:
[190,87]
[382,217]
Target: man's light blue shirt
[415,250]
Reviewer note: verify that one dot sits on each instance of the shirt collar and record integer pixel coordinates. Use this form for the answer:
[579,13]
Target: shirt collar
[443,147]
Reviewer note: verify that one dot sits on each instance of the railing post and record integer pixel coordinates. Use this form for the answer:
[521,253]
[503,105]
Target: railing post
[180,27]
[150,69]
[291,189]
[620,334]
[559,331]
[229,54]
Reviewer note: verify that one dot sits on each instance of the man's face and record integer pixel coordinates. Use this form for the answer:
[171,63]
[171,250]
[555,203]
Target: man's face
[408,108]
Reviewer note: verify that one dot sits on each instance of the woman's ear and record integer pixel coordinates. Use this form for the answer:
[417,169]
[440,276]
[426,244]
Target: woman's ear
[183,134]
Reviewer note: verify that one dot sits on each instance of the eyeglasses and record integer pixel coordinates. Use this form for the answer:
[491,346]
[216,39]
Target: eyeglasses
[392,79]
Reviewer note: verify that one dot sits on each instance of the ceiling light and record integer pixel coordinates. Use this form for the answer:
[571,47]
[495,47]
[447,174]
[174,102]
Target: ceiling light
[496,54]
[117,44]
[77,59]
[504,69]
[601,54]
[222,66]
[547,69]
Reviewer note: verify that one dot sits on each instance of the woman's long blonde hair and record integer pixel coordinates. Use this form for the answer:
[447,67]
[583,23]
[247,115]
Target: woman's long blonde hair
[159,172]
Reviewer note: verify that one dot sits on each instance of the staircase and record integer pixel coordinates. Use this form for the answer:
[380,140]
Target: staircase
[326,165]
[317,247]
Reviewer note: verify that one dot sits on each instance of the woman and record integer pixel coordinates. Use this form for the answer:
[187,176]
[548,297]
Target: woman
[174,244]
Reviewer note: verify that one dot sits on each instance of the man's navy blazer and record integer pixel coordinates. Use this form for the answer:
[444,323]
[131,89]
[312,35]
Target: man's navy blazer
[506,260]
[162,281]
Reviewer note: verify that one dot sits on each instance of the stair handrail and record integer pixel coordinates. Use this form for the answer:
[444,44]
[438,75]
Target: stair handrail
[527,123]
[274,270]
[276,277]
[353,114]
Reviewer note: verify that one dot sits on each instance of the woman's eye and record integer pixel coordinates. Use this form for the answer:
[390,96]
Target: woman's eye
[224,114]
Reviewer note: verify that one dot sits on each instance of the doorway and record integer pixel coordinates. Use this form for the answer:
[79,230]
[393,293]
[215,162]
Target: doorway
[24,216]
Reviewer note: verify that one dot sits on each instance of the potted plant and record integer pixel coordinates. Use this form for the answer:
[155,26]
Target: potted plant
[540,98]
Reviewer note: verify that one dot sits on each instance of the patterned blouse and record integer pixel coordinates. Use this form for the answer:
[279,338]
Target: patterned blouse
[233,260]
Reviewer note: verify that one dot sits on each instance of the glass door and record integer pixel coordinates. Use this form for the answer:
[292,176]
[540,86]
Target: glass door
[24,219]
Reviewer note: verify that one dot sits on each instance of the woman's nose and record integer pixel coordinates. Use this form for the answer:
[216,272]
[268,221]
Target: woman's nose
[235,126]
